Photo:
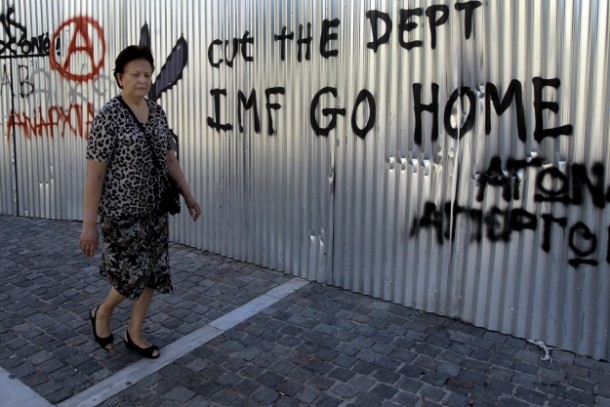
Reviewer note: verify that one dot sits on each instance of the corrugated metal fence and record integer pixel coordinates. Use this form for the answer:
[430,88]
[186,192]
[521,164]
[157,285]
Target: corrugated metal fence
[450,156]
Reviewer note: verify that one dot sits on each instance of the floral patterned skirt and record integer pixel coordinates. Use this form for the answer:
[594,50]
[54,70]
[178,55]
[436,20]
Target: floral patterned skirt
[136,254]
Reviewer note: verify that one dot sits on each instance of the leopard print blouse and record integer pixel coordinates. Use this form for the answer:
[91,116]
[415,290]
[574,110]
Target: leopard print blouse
[132,183]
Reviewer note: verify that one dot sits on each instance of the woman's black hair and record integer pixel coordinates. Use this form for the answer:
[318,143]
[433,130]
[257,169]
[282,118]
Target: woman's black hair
[129,54]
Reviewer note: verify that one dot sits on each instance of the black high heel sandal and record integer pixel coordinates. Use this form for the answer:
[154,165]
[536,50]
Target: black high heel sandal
[103,342]
[145,352]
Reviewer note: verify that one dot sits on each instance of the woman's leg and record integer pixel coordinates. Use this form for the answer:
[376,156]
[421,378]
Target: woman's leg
[104,313]
[138,312]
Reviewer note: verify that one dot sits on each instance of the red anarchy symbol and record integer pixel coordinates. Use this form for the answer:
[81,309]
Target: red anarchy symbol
[81,27]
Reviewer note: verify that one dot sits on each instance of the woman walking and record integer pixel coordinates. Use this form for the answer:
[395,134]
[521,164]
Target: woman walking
[129,154]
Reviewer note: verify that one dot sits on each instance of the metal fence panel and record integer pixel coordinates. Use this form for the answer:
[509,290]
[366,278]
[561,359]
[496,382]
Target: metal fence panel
[447,155]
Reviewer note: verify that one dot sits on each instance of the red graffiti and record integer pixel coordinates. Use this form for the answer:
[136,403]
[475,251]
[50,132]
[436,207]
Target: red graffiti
[81,42]
[74,119]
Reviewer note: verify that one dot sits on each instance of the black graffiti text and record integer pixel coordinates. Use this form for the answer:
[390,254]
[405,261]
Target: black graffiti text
[436,16]
[365,102]
[17,43]
[513,96]
[224,52]
[26,85]
[493,101]
[569,186]
[245,103]
[498,225]
[325,48]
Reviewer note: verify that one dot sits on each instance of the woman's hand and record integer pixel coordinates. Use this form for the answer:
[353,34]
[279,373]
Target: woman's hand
[96,172]
[89,240]
[175,171]
[193,207]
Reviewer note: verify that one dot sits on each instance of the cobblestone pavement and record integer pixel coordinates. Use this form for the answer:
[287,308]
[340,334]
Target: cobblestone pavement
[319,346]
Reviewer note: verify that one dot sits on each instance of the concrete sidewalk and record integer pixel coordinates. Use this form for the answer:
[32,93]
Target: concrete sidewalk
[234,334]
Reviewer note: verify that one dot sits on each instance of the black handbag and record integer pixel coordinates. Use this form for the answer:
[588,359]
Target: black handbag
[170,198]
[170,195]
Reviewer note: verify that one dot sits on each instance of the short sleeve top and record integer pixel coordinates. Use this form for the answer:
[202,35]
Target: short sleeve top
[133,182]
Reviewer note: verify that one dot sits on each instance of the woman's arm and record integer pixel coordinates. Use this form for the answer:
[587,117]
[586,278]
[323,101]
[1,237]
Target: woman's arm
[89,240]
[175,171]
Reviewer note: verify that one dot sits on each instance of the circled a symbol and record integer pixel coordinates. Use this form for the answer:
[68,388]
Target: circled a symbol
[84,31]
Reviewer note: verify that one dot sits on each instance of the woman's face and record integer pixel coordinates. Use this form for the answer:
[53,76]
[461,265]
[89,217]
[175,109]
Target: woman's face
[136,78]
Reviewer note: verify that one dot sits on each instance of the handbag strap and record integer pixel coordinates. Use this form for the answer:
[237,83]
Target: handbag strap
[141,126]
